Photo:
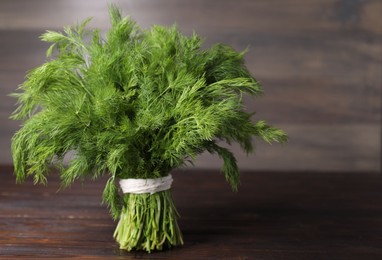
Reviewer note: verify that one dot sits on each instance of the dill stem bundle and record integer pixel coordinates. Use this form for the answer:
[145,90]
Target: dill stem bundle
[148,222]
[134,104]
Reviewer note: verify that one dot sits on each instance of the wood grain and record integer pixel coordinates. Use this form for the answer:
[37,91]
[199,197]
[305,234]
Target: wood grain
[273,216]
[320,63]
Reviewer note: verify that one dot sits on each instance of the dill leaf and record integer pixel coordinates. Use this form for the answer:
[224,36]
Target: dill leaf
[133,104]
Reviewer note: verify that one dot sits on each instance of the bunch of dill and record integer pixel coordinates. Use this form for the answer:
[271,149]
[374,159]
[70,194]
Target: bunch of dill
[133,104]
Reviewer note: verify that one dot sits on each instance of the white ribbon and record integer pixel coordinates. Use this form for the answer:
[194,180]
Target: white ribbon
[139,186]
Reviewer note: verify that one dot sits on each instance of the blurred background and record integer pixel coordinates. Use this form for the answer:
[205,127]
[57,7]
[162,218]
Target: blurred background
[320,64]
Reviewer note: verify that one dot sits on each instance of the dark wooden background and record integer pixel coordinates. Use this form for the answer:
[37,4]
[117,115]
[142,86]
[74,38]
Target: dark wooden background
[319,62]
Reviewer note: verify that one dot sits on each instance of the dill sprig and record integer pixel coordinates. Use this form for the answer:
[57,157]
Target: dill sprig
[133,104]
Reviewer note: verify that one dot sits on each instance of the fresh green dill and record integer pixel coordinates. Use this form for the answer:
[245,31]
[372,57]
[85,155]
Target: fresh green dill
[132,104]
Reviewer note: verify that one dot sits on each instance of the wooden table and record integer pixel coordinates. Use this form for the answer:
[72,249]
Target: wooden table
[273,216]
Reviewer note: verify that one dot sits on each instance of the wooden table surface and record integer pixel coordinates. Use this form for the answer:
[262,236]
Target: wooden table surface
[273,216]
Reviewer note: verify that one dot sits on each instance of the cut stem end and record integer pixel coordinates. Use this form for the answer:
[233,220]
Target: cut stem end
[148,222]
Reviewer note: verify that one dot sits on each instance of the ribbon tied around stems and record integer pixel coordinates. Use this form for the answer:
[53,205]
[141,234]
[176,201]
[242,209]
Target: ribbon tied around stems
[140,186]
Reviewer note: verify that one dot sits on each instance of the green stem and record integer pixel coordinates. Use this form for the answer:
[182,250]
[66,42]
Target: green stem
[148,222]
